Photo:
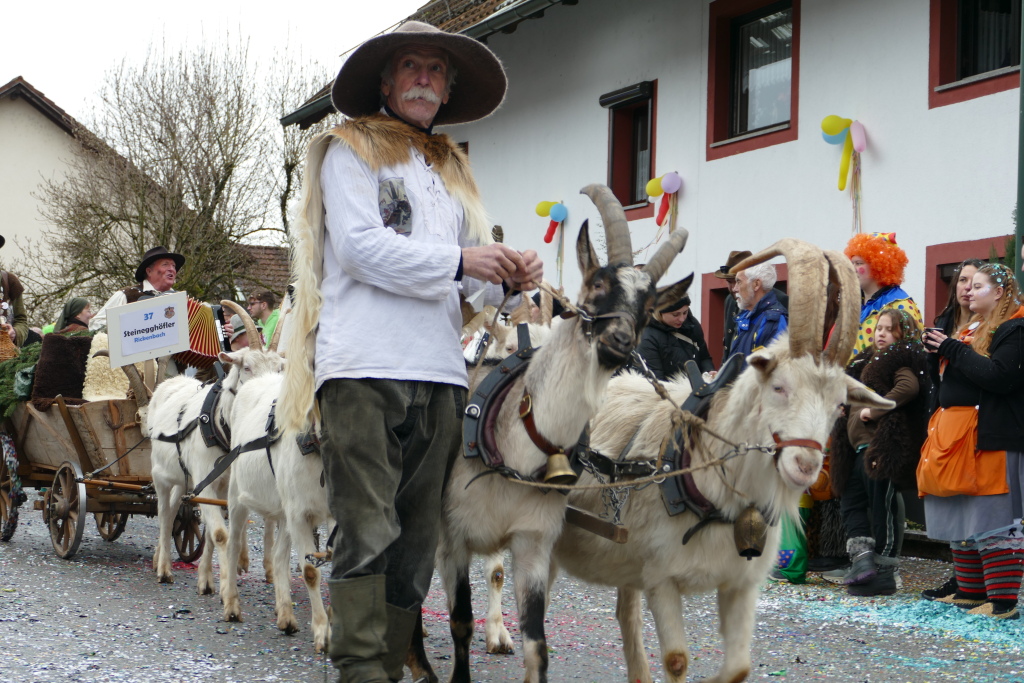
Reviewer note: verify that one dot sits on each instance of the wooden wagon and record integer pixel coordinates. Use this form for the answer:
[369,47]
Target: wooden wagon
[86,459]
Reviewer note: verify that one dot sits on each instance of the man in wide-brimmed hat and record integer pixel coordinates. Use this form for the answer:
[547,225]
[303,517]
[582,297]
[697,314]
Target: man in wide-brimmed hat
[156,274]
[392,229]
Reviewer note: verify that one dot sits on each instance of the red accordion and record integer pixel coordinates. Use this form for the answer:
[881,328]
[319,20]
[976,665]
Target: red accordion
[203,340]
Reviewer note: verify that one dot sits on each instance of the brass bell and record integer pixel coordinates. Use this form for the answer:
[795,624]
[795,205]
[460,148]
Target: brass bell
[558,471]
[749,533]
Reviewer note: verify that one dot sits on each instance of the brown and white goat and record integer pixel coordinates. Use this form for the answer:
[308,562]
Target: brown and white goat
[566,379]
[794,389]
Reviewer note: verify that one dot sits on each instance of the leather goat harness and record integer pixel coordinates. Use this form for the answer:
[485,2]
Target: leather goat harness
[218,433]
[481,415]
[215,433]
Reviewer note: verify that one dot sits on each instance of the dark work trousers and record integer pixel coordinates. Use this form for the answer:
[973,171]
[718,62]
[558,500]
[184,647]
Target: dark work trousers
[387,446]
[874,508]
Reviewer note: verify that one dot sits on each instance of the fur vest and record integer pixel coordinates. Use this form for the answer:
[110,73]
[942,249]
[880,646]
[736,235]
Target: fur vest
[379,141]
[896,446]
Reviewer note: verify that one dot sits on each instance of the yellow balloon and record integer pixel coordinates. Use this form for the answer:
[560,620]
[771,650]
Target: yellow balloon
[844,162]
[544,208]
[654,187]
[834,125]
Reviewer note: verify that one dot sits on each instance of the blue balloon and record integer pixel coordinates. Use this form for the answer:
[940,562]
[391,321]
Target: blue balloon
[559,212]
[838,138]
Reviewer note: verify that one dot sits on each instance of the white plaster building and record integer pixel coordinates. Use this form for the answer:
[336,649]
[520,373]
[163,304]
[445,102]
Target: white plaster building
[941,161]
[36,142]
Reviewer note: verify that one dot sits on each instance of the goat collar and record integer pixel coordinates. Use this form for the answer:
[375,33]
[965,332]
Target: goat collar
[526,415]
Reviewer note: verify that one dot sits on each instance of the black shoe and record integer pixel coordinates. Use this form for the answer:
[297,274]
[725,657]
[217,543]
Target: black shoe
[946,589]
[882,583]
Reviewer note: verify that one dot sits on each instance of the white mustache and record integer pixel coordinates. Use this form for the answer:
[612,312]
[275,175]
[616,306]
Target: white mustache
[421,92]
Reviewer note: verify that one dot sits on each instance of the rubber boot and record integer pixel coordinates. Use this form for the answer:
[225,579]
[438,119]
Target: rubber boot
[862,560]
[401,623]
[359,624]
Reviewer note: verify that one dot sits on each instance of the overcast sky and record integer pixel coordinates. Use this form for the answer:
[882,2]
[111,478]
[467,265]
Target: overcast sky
[63,48]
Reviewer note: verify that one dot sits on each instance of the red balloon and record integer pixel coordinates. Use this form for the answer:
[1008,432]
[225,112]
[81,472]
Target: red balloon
[663,209]
[550,234]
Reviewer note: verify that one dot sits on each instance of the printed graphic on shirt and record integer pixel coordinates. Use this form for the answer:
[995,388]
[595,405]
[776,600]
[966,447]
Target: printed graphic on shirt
[395,210]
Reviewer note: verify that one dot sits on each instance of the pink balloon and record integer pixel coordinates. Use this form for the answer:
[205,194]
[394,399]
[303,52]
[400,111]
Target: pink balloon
[671,182]
[860,142]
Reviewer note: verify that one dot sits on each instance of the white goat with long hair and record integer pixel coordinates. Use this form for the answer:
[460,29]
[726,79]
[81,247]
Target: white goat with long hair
[565,383]
[790,394]
[178,402]
[284,486]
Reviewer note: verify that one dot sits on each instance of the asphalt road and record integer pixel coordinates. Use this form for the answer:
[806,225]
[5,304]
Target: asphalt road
[103,617]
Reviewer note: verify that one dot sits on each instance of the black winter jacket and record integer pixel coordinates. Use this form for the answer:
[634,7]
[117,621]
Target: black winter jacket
[665,352]
[1000,377]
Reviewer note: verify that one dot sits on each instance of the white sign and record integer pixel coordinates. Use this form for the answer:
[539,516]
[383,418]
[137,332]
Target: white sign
[153,327]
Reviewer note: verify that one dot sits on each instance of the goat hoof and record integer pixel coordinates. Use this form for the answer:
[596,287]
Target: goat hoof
[234,616]
[206,590]
[501,649]
[289,627]
[165,578]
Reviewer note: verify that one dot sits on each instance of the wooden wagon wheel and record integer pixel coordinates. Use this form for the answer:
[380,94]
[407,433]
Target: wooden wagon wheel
[188,533]
[110,524]
[67,510]
[8,511]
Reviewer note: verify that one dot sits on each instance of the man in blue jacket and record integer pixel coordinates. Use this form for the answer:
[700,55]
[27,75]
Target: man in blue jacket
[762,318]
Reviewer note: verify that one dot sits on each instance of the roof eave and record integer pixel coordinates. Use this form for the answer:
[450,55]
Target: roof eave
[501,21]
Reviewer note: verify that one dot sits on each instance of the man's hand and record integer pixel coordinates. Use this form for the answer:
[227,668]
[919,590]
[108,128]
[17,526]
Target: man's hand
[532,273]
[493,263]
[228,329]
[9,330]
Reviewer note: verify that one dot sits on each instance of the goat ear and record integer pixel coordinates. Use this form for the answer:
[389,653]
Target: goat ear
[585,254]
[763,361]
[673,293]
[225,357]
[859,395]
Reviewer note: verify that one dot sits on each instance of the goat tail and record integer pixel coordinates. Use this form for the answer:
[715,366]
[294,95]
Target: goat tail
[297,407]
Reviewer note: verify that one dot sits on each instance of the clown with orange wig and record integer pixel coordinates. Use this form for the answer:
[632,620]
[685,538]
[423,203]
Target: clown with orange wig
[879,263]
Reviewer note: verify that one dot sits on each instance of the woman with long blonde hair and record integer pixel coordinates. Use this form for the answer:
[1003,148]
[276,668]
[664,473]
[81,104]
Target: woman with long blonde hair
[972,470]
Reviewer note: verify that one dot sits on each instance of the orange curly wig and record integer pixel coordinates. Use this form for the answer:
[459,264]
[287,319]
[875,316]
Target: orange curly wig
[885,259]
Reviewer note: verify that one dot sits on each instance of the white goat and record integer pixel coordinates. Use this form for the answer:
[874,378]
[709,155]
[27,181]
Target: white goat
[793,391]
[176,403]
[289,495]
[565,381]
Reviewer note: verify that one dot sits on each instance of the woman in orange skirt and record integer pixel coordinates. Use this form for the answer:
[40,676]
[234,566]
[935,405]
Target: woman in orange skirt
[971,473]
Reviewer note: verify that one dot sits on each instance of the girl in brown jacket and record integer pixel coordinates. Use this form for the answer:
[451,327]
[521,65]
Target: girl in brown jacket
[875,452]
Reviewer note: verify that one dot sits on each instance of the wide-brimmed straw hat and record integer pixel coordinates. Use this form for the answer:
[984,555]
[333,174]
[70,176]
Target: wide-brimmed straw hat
[734,257]
[155,254]
[480,81]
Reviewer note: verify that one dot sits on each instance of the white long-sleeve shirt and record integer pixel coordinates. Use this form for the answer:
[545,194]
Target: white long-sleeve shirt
[391,301]
[118,298]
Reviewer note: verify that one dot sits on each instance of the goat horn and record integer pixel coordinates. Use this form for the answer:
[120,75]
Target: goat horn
[137,385]
[616,229]
[547,305]
[808,281]
[250,327]
[276,337]
[657,266]
[161,370]
[847,325]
